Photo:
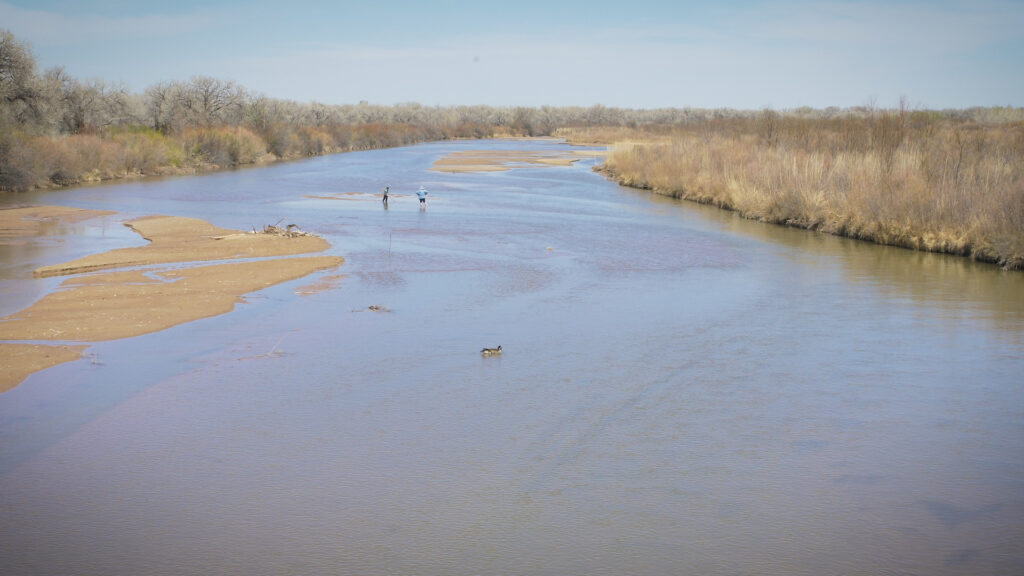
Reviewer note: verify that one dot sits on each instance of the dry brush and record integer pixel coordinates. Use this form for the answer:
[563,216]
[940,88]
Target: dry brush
[915,180]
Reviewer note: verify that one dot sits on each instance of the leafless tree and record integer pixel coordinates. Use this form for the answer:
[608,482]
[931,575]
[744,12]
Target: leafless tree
[208,102]
[19,91]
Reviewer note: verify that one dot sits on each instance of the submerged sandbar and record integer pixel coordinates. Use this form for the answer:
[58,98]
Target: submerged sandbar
[31,221]
[500,160]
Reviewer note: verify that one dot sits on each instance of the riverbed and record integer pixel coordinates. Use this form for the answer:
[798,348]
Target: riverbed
[680,391]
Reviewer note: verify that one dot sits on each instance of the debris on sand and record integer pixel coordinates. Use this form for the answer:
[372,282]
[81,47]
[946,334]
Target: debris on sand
[111,296]
[174,239]
[289,231]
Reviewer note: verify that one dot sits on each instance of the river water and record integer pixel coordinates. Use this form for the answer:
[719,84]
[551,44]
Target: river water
[681,392]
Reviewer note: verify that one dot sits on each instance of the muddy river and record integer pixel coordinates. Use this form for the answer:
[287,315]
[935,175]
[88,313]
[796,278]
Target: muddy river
[680,391]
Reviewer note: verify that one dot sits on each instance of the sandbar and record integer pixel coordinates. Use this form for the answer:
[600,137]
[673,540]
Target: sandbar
[94,306]
[21,360]
[116,305]
[321,285]
[500,160]
[179,239]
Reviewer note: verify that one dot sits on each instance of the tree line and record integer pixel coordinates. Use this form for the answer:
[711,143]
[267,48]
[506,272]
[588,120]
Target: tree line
[57,130]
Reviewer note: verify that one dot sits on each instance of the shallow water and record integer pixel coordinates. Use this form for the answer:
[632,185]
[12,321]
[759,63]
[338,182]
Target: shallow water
[681,392]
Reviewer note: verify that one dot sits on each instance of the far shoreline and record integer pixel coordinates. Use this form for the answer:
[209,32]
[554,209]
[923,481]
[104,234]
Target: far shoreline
[208,168]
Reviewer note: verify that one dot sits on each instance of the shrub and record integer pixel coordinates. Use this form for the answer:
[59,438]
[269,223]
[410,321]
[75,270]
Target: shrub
[955,186]
[224,146]
[22,162]
[146,151]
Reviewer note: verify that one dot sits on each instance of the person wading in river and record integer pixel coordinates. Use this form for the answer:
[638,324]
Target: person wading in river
[422,195]
[386,189]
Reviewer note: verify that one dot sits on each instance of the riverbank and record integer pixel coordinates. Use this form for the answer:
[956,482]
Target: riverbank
[917,183]
[38,162]
[150,288]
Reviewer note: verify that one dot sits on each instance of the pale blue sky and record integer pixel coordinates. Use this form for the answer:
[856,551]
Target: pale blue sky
[633,54]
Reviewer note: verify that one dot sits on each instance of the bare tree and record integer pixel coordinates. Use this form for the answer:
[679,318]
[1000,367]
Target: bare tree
[19,93]
[768,126]
[81,106]
[163,107]
[210,102]
[320,114]
[522,121]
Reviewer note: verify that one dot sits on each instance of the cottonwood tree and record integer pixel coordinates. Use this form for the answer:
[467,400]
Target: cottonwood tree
[19,90]
[201,102]
[83,106]
[210,102]
[320,114]
[165,107]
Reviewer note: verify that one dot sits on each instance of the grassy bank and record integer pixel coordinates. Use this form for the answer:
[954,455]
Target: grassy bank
[33,161]
[916,180]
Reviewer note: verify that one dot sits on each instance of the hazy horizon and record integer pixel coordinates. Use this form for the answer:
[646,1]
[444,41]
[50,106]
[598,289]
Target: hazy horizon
[745,55]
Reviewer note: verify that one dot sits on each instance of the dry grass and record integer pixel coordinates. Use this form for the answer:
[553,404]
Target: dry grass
[895,178]
[36,161]
[29,160]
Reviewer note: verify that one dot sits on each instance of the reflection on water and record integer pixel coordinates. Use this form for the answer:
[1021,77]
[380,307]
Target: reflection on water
[19,257]
[936,281]
[681,391]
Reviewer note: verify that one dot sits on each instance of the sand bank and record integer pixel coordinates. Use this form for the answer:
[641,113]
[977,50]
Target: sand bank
[500,160]
[124,304]
[21,360]
[131,302]
[177,239]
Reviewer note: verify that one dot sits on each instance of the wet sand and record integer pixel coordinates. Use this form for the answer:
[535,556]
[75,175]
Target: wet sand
[30,221]
[124,304]
[21,360]
[176,239]
[321,285]
[132,302]
[501,160]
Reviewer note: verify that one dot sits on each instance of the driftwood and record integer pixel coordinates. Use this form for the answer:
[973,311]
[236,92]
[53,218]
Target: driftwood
[289,231]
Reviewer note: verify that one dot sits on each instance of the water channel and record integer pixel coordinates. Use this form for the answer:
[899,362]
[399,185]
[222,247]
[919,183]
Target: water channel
[681,392]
